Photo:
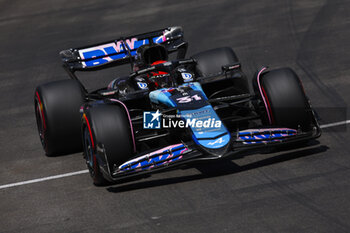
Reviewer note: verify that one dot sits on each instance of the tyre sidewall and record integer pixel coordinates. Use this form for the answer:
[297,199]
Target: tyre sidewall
[110,127]
[61,101]
[287,103]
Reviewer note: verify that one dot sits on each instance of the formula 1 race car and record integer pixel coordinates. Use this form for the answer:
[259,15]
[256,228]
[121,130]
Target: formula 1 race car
[167,112]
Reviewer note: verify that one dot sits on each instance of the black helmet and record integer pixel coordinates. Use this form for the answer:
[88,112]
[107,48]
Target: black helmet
[148,54]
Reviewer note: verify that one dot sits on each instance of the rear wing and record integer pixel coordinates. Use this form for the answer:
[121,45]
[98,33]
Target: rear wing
[122,50]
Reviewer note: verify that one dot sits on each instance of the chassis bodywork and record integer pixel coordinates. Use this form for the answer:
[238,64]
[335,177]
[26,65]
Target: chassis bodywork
[224,97]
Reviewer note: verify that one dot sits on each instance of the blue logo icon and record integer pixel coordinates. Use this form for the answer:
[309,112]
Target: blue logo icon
[151,120]
[142,85]
[187,77]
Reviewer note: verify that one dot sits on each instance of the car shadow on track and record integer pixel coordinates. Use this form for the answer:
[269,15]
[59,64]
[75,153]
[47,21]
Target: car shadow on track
[226,167]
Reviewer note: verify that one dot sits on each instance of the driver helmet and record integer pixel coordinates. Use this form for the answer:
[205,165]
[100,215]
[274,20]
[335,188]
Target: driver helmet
[150,55]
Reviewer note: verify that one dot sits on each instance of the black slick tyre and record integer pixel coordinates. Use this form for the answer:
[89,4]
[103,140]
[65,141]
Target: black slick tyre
[209,65]
[283,99]
[209,62]
[107,126]
[57,114]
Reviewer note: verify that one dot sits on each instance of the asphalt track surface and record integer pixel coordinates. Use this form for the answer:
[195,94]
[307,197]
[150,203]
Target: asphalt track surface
[302,190]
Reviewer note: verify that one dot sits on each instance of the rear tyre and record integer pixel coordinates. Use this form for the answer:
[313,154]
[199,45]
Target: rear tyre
[209,64]
[283,99]
[57,114]
[106,125]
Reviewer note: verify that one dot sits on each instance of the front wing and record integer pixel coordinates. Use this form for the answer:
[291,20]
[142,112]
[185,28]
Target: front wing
[187,152]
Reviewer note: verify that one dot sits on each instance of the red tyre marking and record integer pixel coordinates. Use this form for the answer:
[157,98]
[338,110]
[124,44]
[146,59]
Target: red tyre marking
[268,104]
[41,110]
[88,125]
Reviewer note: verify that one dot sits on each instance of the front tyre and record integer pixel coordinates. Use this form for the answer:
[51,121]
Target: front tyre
[107,126]
[91,160]
[283,99]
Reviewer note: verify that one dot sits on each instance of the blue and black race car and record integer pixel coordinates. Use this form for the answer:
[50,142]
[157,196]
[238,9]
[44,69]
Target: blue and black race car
[167,112]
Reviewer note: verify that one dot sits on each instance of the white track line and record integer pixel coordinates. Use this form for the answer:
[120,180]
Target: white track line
[335,124]
[43,179]
[86,171]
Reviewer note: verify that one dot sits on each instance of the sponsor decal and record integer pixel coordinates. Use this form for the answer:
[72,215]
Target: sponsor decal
[101,54]
[187,77]
[219,141]
[254,136]
[156,158]
[142,85]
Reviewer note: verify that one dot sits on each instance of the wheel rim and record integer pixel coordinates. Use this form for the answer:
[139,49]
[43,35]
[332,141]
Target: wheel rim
[88,152]
[40,123]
